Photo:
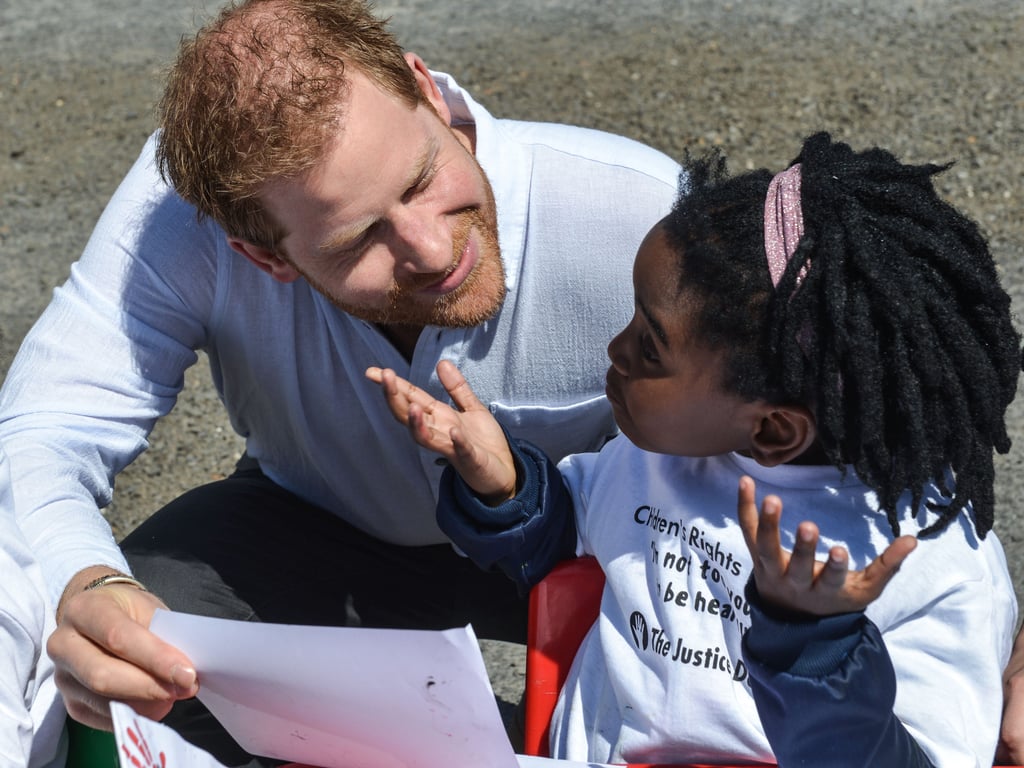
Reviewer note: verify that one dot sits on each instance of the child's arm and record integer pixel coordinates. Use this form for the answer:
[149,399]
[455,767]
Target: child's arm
[1011,734]
[507,507]
[524,537]
[820,672]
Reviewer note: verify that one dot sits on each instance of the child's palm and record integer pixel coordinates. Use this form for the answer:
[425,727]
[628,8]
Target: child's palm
[797,581]
[468,436]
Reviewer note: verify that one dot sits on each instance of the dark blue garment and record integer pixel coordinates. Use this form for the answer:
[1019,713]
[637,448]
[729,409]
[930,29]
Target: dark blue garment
[824,689]
[526,536]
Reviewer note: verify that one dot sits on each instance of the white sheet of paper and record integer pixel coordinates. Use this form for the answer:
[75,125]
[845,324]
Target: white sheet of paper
[142,743]
[341,697]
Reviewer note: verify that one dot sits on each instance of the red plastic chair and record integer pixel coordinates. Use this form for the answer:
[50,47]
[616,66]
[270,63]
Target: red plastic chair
[563,606]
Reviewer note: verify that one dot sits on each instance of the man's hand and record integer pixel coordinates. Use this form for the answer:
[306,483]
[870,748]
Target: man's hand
[1011,735]
[799,582]
[103,651]
[470,437]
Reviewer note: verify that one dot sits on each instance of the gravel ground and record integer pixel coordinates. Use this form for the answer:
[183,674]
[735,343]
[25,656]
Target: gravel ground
[934,80]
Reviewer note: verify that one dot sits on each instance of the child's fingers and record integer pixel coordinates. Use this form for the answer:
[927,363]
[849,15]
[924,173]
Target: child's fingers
[881,570]
[746,513]
[420,429]
[769,556]
[387,380]
[760,529]
[834,571]
[800,571]
[458,388]
[389,383]
[401,393]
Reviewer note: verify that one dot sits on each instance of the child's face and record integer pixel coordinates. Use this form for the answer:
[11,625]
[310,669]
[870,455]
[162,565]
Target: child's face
[663,385]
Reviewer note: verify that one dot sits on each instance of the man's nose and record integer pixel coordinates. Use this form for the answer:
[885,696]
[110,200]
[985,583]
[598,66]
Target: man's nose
[424,244]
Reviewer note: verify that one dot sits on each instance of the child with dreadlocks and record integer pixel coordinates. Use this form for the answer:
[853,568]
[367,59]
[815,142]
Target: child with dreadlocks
[838,335]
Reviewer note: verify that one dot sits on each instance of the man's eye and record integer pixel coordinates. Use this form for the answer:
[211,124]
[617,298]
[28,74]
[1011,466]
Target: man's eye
[351,249]
[421,184]
[357,246]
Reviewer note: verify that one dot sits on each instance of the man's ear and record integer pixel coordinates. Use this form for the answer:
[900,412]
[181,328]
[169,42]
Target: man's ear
[269,261]
[426,83]
[782,433]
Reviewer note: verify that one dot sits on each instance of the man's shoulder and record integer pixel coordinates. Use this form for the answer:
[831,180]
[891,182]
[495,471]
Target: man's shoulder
[592,146]
[563,150]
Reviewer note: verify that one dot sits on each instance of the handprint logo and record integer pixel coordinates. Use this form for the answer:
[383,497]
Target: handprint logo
[638,626]
[143,755]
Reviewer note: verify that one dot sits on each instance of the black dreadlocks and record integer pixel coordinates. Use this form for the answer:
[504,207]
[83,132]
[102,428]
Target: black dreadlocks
[889,321]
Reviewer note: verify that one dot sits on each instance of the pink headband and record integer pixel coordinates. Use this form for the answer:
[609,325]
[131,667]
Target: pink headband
[783,221]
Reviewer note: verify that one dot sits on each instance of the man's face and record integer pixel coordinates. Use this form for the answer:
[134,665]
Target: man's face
[397,225]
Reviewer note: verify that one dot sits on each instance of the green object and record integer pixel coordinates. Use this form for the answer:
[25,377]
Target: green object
[89,748]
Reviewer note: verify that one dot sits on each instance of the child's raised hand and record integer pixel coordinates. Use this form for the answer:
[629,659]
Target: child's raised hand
[470,437]
[799,582]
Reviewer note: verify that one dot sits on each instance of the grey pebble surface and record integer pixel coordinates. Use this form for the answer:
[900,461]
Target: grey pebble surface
[933,80]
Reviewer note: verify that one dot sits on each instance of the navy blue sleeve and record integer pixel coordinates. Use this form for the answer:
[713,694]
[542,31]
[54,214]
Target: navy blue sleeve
[825,689]
[526,536]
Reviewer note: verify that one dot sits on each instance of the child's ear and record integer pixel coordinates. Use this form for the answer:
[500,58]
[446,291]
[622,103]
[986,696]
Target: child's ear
[782,434]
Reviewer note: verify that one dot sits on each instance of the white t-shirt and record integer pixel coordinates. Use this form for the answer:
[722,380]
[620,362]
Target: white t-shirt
[661,673]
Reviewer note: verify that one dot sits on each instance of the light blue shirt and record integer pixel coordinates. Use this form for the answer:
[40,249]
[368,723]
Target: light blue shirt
[31,710]
[154,285]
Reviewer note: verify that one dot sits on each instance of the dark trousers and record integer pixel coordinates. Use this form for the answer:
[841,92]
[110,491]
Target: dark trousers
[244,548]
